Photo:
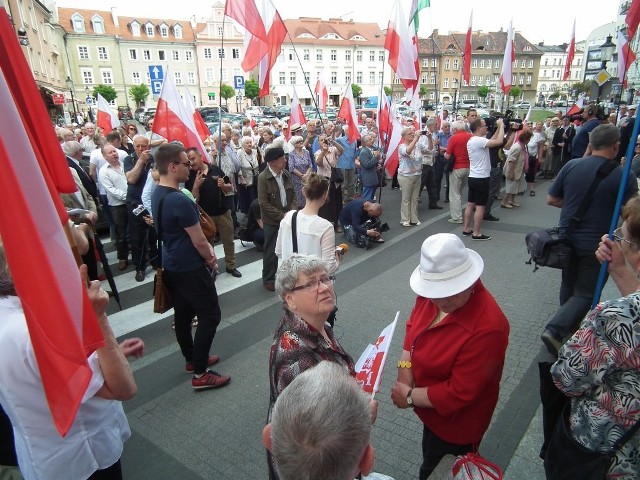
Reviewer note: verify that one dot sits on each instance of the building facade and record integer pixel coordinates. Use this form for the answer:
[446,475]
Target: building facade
[551,84]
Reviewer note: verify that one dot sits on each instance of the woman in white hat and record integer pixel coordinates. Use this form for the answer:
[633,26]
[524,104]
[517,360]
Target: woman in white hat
[454,348]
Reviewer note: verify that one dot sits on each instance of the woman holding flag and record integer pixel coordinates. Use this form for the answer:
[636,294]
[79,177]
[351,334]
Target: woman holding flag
[454,348]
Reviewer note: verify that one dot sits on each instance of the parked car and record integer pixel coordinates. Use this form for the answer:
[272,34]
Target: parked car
[269,112]
[521,105]
[369,112]
[138,112]
[560,103]
[283,111]
[147,115]
[124,113]
[254,110]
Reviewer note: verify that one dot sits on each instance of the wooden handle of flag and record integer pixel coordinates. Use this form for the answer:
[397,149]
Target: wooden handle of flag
[72,243]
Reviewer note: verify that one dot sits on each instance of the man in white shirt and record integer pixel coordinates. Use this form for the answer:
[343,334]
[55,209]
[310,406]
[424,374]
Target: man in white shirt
[479,174]
[114,181]
[87,142]
[427,146]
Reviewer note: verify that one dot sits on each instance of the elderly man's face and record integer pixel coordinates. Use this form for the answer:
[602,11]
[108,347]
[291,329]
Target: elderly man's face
[110,153]
[90,130]
[369,122]
[141,145]
[196,160]
[277,165]
[446,127]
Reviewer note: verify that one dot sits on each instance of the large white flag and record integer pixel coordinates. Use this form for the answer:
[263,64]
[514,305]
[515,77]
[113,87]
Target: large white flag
[370,365]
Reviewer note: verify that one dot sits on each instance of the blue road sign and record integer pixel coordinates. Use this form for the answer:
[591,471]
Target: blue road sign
[238,82]
[157,75]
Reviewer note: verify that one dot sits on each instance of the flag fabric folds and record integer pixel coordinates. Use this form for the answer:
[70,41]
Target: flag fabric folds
[322,93]
[107,119]
[173,120]
[466,70]
[201,127]
[416,6]
[370,365]
[402,44]
[626,57]
[393,160]
[296,115]
[570,52]
[506,77]
[348,113]
[383,119]
[632,19]
[62,325]
[579,105]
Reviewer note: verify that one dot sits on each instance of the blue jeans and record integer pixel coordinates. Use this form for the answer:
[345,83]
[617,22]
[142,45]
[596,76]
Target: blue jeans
[368,193]
[357,239]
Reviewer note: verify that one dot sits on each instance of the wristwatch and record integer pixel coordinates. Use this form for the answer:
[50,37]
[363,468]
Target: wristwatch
[409,398]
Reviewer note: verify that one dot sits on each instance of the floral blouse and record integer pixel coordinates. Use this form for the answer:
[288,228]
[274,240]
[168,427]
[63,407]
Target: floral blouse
[600,368]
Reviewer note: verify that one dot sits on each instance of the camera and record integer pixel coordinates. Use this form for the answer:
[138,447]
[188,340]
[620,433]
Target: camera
[376,224]
[508,120]
[140,210]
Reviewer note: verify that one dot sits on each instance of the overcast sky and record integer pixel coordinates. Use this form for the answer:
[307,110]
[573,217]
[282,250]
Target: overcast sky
[540,20]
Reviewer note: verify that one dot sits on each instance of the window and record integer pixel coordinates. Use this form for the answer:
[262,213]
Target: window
[474,63]
[515,64]
[307,77]
[445,82]
[380,77]
[164,31]
[207,53]
[456,64]
[281,78]
[347,55]
[530,63]
[135,77]
[358,55]
[555,61]
[87,76]
[447,63]
[103,53]
[372,77]
[147,78]
[211,96]
[98,24]
[177,31]
[425,62]
[497,64]
[334,55]
[135,29]
[481,63]
[78,23]
[523,64]
[544,73]
[306,55]
[432,80]
[347,77]
[546,61]
[188,56]
[133,54]
[225,75]
[191,78]
[149,30]
[434,63]
[175,55]
[83,53]
[381,55]
[177,76]
[334,78]
[292,78]
[221,53]
[107,76]
[489,62]
[162,55]
[372,56]
[423,80]
[235,53]
[528,79]
[396,80]
[521,80]
[209,75]
[220,31]
[319,55]
[292,55]
[146,54]
[487,80]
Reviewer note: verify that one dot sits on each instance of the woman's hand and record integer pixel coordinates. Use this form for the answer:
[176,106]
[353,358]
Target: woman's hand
[399,393]
[132,347]
[610,251]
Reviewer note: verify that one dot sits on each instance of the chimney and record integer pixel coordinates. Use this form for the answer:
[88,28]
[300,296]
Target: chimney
[114,16]
[541,44]
[193,22]
[435,32]
[564,46]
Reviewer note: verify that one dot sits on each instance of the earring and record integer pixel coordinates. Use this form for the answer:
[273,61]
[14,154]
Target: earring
[293,307]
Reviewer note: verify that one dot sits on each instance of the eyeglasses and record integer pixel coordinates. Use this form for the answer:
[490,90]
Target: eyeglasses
[315,284]
[618,237]
[188,164]
[637,145]
[132,128]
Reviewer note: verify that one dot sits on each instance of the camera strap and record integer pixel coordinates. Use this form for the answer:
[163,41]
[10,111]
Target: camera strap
[294,231]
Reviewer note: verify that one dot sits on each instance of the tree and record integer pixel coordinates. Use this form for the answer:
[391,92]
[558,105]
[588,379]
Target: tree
[108,92]
[581,87]
[515,92]
[387,91]
[227,92]
[139,94]
[356,90]
[483,91]
[423,91]
[251,89]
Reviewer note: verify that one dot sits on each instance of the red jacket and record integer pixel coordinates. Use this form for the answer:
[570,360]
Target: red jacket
[458,147]
[461,361]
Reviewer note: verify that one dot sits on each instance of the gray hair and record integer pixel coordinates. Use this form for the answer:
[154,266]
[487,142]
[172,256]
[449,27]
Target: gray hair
[292,267]
[432,121]
[247,131]
[71,148]
[604,136]
[294,139]
[235,131]
[458,126]
[139,135]
[7,288]
[246,139]
[407,129]
[366,137]
[321,425]
[268,130]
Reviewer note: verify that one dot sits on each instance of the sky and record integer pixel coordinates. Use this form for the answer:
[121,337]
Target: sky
[548,21]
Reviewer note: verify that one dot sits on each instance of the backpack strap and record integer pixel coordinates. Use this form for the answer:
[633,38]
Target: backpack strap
[294,231]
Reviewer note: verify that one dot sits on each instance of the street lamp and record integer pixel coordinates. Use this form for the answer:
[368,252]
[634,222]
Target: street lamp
[69,83]
[455,97]
[606,54]
[88,92]
[239,101]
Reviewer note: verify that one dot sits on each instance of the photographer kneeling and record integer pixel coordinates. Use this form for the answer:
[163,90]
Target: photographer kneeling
[361,223]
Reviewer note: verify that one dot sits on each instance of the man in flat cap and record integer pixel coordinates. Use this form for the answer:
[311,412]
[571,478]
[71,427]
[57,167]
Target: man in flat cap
[276,197]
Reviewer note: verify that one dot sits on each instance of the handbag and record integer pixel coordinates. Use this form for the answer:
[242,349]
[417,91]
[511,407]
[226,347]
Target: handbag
[336,175]
[207,224]
[162,301]
[567,459]
[548,247]
[472,466]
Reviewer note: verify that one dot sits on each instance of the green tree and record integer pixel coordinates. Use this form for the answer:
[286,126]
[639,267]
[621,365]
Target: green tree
[108,92]
[387,91]
[515,92]
[356,90]
[251,89]
[483,91]
[423,91]
[227,92]
[139,94]
[581,87]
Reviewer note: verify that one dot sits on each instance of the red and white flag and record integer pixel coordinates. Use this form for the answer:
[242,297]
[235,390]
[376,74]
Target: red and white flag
[370,365]
[402,44]
[626,57]
[506,77]
[579,105]
[570,53]
[393,159]
[265,33]
[466,69]
[297,115]
[383,120]
[173,121]
[321,92]
[62,325]
[107,119]
[348,113]
[632,19]
[201,127]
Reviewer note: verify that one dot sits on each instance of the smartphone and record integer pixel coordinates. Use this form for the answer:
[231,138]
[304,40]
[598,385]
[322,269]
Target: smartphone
[140,210]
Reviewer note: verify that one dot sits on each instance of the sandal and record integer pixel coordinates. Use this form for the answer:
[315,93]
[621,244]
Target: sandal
[532,193]
[194,322]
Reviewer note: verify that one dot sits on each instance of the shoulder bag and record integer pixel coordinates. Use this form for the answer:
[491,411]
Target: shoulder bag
[547,247]
[162,301]
[209,227]
[473,467]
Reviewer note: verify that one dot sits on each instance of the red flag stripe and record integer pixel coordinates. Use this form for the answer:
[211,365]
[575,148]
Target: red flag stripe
[348,112]
[632,19]
[466,71]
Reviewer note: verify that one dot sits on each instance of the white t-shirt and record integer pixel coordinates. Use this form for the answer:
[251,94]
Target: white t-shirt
[532,146]
[315,237]
[98,160]
[479,159]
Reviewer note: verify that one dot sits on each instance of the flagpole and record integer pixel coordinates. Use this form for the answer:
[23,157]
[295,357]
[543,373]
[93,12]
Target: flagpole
[224,17]
[381,142]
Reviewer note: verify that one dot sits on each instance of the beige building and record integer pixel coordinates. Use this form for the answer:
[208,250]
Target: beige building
[551,85]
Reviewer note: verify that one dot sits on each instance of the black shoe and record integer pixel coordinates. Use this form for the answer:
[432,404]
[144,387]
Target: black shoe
[480,237]
[490,218]
[258,247]
[140,276]
[376,240]
[235,272]
[435,207]
[466,234]
[550,341]
[446,200]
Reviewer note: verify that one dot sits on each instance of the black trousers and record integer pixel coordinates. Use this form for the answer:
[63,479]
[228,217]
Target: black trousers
[114,472]
[428,182]
[438,169]
[434,448]
[495,182]
[269,257]
[194,293]
[119,214]
[142,237]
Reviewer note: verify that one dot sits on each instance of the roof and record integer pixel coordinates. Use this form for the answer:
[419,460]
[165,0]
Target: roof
[318,28]
[492,43]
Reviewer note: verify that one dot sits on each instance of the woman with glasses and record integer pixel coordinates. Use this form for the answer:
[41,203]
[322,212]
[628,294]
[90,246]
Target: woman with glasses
[130,131]
[299,164]
[599,367]
[303,337]
[409,175]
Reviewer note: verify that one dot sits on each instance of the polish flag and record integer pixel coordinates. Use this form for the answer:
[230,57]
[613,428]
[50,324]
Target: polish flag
[348,113]
[173,120]
[201,127]
[526,119]
[107,119]
[579,105]
[466,69]
[632,19]
[570,53]
[393,159]
[383,120]
[401,42]
[60,318]
[323,95]
[297,115]
[370,365]
[506,77]
[625,58]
